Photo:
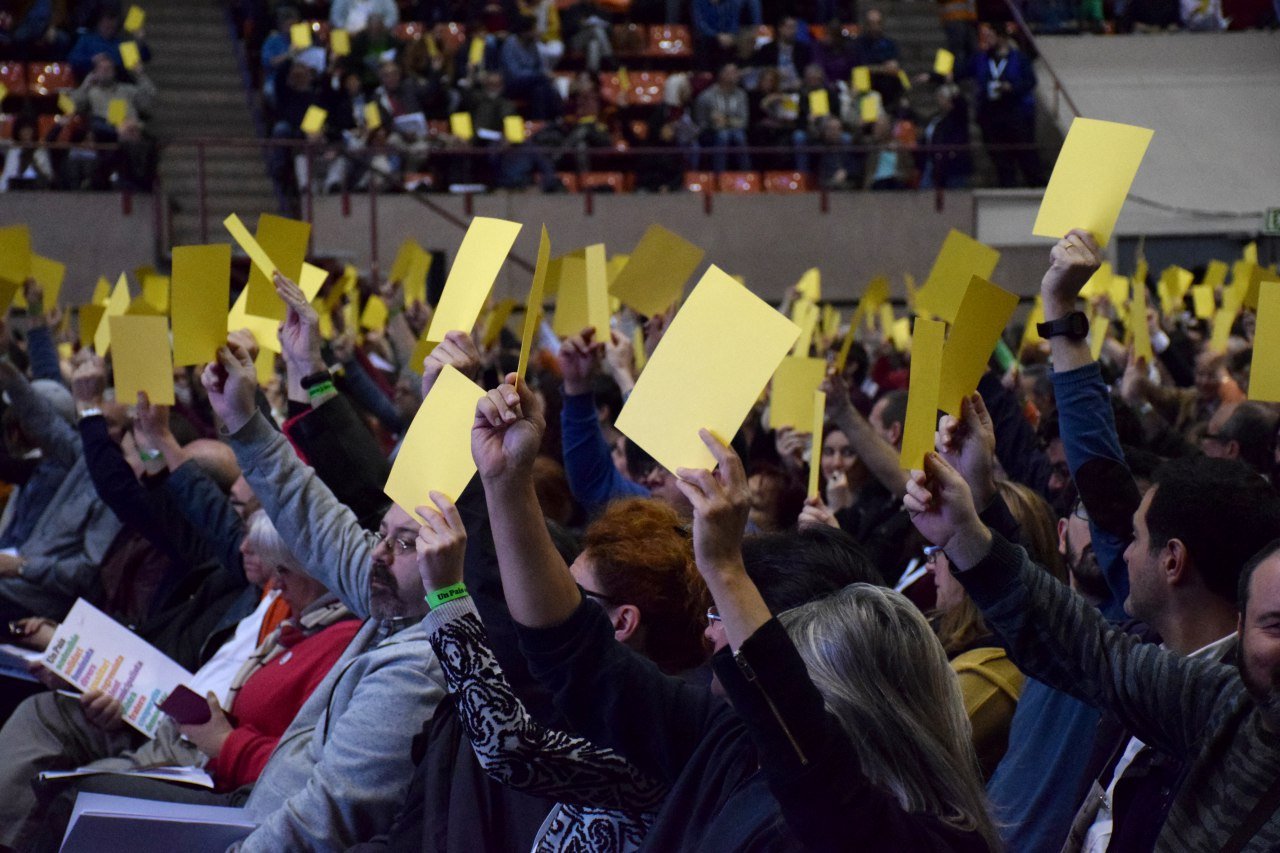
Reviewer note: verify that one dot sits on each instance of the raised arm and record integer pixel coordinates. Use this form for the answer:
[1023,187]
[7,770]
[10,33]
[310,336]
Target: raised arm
[41,349]
[56,438]
[880,457]
[1057,637]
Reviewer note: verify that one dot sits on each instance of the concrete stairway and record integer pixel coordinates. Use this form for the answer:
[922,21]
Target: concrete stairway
[201,95]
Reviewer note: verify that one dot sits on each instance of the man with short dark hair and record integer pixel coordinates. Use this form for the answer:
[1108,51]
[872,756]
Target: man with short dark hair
[1244,431]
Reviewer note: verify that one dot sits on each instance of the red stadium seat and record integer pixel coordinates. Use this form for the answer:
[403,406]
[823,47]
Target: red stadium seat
[614,181]
[6,127]
[45,123]
[786,182]
[629,39]
[49,78]
[569,179]
[740,182]
[609,88]
[409,30]
[700,182]
[14,77]
[451,36]
[647,88]
[670,40]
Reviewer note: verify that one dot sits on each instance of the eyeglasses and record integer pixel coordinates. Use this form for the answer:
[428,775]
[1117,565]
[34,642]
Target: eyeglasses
[598,596]
[1079,511]
[1214,436]
[713,615]
[395,544]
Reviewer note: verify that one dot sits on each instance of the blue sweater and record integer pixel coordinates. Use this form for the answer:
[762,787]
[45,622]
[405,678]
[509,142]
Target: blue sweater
[1038,785]
[587,463]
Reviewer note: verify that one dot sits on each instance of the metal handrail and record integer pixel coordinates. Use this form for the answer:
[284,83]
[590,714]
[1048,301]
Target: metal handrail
[1058,88]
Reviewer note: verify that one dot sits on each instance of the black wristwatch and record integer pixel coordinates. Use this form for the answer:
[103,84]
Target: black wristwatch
[312,379]
[1074,326]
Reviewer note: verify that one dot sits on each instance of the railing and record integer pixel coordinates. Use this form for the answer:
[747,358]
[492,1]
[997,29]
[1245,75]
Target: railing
[1059,91]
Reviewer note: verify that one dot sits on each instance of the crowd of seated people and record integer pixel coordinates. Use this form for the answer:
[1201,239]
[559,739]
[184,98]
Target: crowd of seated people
[1059,633]
[72,115]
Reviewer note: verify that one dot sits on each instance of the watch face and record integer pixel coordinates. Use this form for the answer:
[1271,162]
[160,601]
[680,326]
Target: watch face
[1077,325]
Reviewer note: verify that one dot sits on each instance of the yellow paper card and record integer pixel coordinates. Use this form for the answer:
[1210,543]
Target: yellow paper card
[280,244]
[497,321]
[846,346]
[901,334]
[101,291]
[922,392]
[830,324]
[66,106]
[810,285]
[404,257]
[1095,169]
[134,20]
[15,254]
[616,265]
[339,42]
[656,272]
[314,119]
[117,305]
[372,116]
[415,280]
[140,358]
[1138,323]
[904,80]
[374,315]
[1250,252]
[311,280]
[1099,326]
[533,304]
[117,111]
[944,62]
[624,80]
[791,392]
[201,288]
[130,55]
[638,350]
[460,126]
[265,367]
[8,291]
[869,107]
[88,317]
[475,52]
[984,312]
[435,455]
[877,293]
[155,292]
[140,306]
[265,331]
[49,275]
[513,129]
[959,260]
[819,103]
[1215,274]
[1030,335]
[1264,375]
[806,315]
[300,36]
[861,79]
[1202,301]
[583,301]
[480,257]
[1225,319]
[707,372]
[815,445]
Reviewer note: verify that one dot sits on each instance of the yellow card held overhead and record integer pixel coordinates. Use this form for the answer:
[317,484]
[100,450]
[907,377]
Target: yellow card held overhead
[819,103]
[944,62]
[201,289]
[66,106]
[922,392]
[815,445]
[117,305]
[656,272]
[88,317]
[869,107]
[481,255]
[496,322]
[806,315]
[861,79]
[791,392]
[475,51]
[300,36]
[339,42]
[49,275]
[707,372]
[8,290]
[435,455]
[984,312]
[533,305]
[810,285]
[140,358]
[460,126]
[513,129]
[372,116]
[374,315]
[130,55]
[959,260]
[1202,301]
[583,300]
[314,119]
[134,20]
[117,111]
[1264,374]
[1091,179]
[15,253]
[280,244]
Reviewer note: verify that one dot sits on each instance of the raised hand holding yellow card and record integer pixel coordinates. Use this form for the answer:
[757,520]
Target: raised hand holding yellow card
[280,244]
[713,362]
[819,103]
[134,20]
[300,36]
[658,269]
[461,127]
[66,106]
[922,392]
[435,455]
[869,107]
[513,129]
[959,260]
[583,300]
[861,79]
[810,285]
[117,111]
[140,358]
[339,42]
[944,62]
[806,315]
[791,391]
[374,315]
[130,55]
[1138,323]
[1202,301]
[1091,179]
[201,286]
[475,52]
[533,304]
[314,119]
[481,255]
[984,312]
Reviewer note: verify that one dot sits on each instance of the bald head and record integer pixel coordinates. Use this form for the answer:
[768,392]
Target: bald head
[215,459]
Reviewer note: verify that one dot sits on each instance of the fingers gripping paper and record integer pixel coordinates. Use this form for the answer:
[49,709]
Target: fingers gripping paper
[436,453]
[483,250]
[1095,169]
[984,312]
[922,392]
[709,369]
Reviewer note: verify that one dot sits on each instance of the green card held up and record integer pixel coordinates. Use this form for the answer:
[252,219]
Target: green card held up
[959,260]
[436,453]
[481,255]
[984,312]
[1094,172]
[791,391]
[707,372]
[922,392]
[657,271]
[201,289]
[140,358]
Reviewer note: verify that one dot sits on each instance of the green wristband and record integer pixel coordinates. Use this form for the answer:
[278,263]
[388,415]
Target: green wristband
[441,596]
[319,390]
